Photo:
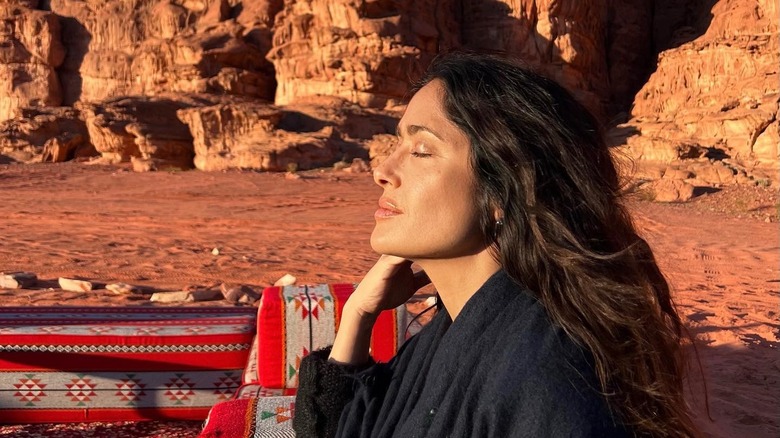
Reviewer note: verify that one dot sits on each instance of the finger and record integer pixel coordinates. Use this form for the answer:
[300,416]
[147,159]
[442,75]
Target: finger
[392,260]
[390,265]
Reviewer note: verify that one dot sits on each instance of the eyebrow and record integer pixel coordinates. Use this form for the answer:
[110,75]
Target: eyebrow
[414,129]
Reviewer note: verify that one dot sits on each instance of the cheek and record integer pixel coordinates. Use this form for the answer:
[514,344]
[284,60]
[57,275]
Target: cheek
[455,209]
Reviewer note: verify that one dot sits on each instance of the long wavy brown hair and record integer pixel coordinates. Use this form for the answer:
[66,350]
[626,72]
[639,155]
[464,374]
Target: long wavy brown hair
[540,157]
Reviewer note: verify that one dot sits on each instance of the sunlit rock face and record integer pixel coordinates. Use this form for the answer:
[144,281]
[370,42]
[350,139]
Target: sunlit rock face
[695,82]
[368,51]
[30,52]
[147,47]
[313,132]
[714,93]
[365,52]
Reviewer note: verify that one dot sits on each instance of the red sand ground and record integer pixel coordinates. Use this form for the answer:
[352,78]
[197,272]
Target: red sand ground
[158,229]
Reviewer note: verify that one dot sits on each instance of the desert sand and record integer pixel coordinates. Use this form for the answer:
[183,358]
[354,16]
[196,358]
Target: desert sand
[721,253]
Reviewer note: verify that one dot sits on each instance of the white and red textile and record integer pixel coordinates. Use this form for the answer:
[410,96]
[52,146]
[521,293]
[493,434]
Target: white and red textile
[77,364]
[296,320]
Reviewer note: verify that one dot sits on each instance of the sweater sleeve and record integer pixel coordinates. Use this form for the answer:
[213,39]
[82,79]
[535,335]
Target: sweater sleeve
[324,388]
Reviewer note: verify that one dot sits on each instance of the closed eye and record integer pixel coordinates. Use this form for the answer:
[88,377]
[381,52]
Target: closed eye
[421,155]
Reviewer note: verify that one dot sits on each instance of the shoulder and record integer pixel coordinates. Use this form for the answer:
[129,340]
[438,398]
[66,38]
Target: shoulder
[532,352]
[541,380]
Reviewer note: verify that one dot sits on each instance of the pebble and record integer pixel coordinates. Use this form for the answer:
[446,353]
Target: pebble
[17,280]
[75,285]
[239,294]
[286,280]
[127,289]
[186,296]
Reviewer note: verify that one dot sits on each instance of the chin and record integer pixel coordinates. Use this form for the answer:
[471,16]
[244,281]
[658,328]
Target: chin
[382,244]
[379,244]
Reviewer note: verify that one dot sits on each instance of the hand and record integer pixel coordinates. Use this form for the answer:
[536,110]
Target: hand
[387,285]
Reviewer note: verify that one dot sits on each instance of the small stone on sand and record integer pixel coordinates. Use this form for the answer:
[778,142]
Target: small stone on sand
[239,294]
[75,285]
[286,280]
[17,280]
[127,289]
[186,296]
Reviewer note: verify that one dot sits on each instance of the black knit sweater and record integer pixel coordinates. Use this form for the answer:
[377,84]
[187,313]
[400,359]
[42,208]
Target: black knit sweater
[502,369]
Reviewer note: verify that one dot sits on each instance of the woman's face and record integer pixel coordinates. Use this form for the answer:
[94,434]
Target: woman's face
[428,209]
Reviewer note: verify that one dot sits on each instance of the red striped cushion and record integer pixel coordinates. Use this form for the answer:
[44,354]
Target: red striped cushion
[75,364]
[295,320]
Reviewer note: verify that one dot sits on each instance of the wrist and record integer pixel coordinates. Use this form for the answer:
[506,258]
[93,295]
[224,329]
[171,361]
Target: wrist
[354,310]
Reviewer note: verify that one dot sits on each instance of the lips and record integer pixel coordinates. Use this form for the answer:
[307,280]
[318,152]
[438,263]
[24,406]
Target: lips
[387,208]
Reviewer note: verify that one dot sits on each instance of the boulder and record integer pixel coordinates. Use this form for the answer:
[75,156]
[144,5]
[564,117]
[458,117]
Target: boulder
[186,296]
[128,289]
[144,128]
[75,285]
[45,134]
[286,280]
[239,294]
[671,190]
[247,136]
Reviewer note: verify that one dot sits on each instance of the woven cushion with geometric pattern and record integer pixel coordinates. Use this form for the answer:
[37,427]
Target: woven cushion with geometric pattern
[77,364]
[295,320]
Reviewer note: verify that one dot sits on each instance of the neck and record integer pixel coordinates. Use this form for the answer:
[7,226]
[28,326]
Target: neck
[457,280]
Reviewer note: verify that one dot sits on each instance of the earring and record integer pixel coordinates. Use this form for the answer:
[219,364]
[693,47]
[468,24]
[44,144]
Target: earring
[496,227]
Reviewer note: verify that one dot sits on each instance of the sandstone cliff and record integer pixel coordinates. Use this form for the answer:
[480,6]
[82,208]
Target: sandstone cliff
[367,52]
[30,51]
[711,106]
[194,82]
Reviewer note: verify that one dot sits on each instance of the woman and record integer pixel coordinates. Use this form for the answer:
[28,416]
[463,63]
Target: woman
[554,319]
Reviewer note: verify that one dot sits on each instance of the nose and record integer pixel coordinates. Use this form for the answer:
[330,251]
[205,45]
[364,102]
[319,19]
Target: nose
[385,174]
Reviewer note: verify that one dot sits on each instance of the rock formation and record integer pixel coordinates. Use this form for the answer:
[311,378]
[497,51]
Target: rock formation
[711,106]
[368,51]
[45,134]
[596,48]
[194,82]
[147,47]
[253,135]
[30,51]
[365,52]
[142,127]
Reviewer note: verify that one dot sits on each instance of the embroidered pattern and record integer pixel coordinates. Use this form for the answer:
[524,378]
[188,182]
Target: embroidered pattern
[80,390]
[278,414]
[29,390]
[51,329]
[130,390]
[77,363]
[226,385]
[100,329]
[179,389]
[100,389]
